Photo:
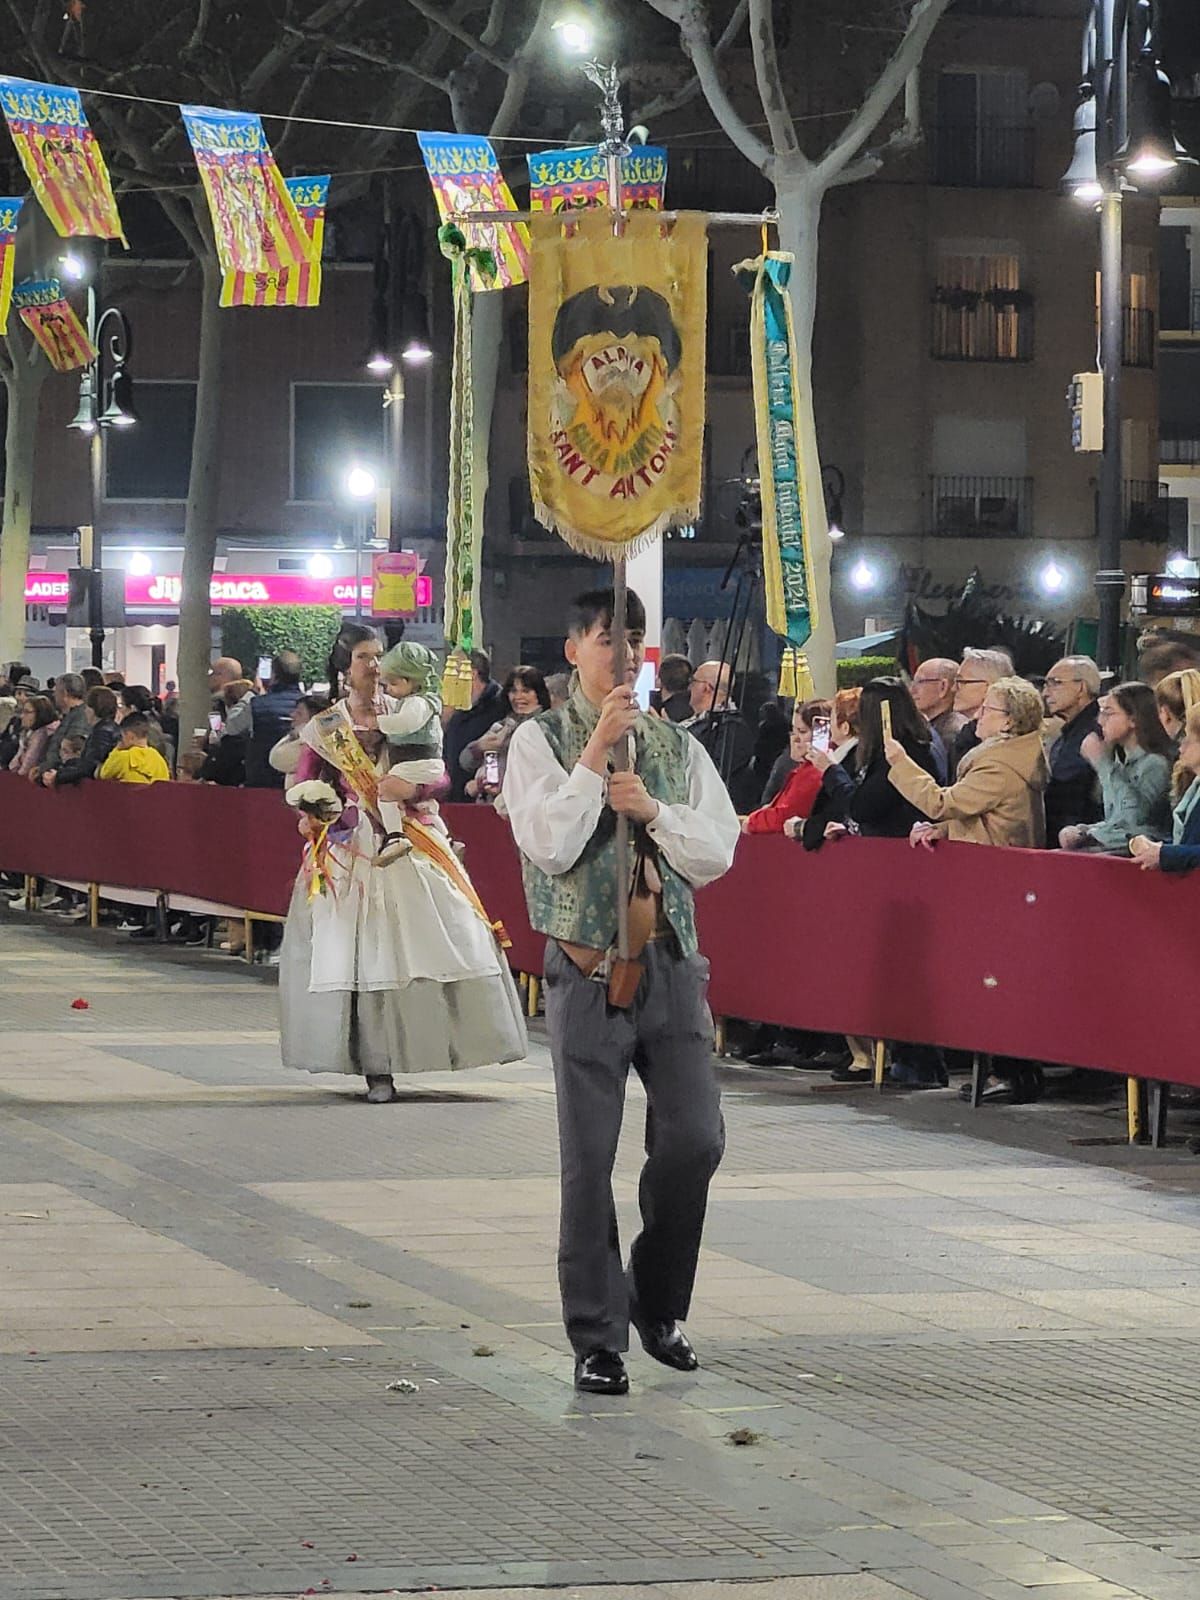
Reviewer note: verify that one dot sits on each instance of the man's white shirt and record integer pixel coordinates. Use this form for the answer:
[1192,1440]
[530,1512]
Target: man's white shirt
[554,813]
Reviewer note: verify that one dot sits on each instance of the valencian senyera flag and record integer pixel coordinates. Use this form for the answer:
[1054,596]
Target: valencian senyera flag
[466,176]
[786,506]
[53,323]
[616,377]
[287,286]
[61,158]
[576,180]
[10,215]
[255,222]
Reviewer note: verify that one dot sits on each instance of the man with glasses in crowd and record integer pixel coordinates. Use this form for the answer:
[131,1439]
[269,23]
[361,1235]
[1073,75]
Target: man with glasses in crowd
[979,670]
[1071,692]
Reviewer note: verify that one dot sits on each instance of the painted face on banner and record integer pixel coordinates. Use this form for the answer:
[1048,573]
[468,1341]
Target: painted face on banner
[616,351]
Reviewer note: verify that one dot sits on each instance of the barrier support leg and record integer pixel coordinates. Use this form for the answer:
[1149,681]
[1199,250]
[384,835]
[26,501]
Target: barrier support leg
[93,905]
[1133,1109]
[720,1042]
[30,891]
[881,1062]
[981,1066]
[1160,1101]
[523,984]
[160,918]
[535,994]
[248,936]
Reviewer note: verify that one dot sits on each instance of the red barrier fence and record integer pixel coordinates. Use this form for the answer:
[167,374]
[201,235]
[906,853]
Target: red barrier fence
[1014,952]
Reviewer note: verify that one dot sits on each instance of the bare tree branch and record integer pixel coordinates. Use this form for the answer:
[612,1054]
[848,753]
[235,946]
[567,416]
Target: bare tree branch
[922,20]
[906,137]
[519,70]
[436,13]
[665,104]
[494,32]
[203,17]
[691,18]
[770,82]
[273,62]
[356,52]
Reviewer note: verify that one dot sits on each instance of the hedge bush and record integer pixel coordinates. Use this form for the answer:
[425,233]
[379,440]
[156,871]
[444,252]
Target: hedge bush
[248,632]
[857,670]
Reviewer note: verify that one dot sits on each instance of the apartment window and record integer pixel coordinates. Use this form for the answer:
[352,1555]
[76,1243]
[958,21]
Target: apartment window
[983,137]
[153,461]
[1138,309]
[980,487]
[333,426]
[980,310]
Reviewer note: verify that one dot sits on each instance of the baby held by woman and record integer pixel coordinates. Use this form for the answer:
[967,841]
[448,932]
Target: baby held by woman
[409,673]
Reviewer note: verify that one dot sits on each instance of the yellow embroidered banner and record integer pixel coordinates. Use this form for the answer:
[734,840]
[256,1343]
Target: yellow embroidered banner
[10,215]
[52,321]
[256,226]
[287,286]
[616,377]
[61,158]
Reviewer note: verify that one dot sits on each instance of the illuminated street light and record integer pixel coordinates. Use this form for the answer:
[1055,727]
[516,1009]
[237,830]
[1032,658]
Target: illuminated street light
[360,482]
[140,565]
[575,34]
[320,566]
[863,576]
[72,267]
[1053,579]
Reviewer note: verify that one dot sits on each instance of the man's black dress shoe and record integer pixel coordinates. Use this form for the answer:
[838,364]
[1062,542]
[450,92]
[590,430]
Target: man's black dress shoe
[667,1342]
[601,1372]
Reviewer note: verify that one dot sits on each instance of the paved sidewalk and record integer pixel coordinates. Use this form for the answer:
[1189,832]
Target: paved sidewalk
[258,1338]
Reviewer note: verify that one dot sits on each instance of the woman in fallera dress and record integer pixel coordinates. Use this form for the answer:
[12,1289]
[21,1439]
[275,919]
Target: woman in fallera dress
[389,963]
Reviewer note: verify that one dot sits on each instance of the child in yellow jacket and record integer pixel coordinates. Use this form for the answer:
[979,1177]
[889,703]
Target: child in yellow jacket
[133,761]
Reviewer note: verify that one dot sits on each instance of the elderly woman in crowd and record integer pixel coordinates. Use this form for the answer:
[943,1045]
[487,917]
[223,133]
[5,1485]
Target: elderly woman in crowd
[1131,756]
[998,796]
[830,804]
[38,720]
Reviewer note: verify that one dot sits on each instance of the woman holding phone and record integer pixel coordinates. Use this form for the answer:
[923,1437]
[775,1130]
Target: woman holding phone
[811,723]
[485,758]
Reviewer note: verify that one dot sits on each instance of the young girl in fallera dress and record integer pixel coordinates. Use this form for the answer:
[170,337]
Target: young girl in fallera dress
[387,968]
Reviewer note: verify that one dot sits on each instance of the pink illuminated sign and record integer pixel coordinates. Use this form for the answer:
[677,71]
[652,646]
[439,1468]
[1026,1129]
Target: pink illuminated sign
[161,593]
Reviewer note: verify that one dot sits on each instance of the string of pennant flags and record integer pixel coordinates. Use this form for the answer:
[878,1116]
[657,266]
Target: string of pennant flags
[616,322]
[268,230]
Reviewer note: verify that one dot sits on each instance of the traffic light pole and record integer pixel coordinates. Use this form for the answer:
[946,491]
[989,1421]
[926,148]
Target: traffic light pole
[1110,73]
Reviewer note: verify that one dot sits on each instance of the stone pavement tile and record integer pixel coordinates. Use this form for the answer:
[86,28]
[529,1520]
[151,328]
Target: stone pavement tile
[969,1309]
[851,1586]
[79,1277]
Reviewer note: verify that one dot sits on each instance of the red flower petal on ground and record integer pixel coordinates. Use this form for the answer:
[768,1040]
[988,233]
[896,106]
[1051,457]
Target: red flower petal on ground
[81,1005]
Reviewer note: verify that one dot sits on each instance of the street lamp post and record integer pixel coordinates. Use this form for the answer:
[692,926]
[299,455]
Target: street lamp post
[361,488]
[1122,127]
[104,402]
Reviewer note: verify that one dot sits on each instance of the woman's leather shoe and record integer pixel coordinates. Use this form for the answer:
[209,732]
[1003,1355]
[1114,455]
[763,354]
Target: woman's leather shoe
[601,1372]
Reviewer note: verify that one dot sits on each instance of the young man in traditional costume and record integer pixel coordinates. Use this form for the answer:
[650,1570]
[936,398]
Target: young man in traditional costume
[563,797]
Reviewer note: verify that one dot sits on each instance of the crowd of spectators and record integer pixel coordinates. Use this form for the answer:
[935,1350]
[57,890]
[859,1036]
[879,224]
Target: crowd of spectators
[963,750]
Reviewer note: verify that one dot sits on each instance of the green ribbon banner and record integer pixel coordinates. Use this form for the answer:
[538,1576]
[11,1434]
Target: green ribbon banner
[787,557]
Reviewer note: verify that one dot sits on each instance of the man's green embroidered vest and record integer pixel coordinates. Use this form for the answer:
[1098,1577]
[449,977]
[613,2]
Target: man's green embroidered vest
[579,906]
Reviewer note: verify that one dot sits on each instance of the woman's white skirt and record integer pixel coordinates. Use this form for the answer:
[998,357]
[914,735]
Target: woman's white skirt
[394,972]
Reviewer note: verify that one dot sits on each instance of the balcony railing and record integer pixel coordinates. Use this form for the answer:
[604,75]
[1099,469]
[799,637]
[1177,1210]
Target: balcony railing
[978,326]
[983,155]
[1147,510]
[1137,336]
[981,508]
[1179,452]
